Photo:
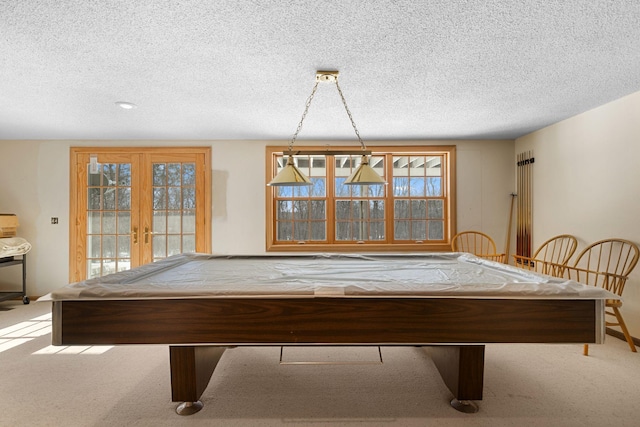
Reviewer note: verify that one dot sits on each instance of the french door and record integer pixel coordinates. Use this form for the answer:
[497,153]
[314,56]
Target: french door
[132,206]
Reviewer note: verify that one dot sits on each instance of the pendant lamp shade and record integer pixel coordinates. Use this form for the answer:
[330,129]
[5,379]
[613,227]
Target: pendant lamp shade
[364,175]
[290,175]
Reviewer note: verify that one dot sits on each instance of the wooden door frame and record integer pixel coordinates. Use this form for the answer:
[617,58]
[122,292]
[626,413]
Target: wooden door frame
[78,171]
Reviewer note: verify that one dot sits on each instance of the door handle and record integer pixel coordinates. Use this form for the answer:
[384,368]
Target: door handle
[146,234]
[135,235]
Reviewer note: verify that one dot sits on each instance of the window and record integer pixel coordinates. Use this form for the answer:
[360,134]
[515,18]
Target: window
[414,211]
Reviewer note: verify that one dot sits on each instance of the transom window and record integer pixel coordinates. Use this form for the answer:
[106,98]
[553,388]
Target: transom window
[414,211]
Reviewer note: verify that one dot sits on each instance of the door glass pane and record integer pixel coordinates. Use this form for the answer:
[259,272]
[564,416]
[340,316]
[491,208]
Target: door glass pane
[159,198]
[108,266]
[108,223]
[108,219]
[124,264]
[93,246]
[174,198]
[108,246]
[189,174]
[188,222]
[174,244]
[174,174]
[93,222]
[159,247]
[94,201]
[108,198]
[124,223]
[124,175]
[174,208]
[173,222]
[188,197]
[124,246]
[93,268]
[124,198]
[189,243]
[159,222]
[159,174]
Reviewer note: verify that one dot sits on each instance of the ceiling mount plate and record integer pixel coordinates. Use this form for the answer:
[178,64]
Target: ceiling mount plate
[326,76]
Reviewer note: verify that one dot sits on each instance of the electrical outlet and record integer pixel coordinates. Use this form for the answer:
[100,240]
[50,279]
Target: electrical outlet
[54,220]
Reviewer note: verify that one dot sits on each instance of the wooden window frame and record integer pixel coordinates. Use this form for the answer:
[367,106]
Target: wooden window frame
[389,245]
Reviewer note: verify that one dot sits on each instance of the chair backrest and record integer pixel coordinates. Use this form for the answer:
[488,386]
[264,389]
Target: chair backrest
[477,243]
[606,263]
[557,250]
[551,257]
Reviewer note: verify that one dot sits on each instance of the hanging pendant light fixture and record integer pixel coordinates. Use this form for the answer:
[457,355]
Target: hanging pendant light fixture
[291,175]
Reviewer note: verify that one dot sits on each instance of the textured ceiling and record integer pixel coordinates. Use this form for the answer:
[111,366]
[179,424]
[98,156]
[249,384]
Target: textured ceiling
[240,69]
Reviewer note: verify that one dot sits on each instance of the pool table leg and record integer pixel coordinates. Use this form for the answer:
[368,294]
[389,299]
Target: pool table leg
[462,370]
[191,369]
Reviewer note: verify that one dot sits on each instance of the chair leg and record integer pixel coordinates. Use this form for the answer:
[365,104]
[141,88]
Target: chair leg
[585,350]
[625,331]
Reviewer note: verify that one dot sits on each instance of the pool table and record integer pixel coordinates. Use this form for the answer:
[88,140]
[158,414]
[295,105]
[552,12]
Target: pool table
[452,304]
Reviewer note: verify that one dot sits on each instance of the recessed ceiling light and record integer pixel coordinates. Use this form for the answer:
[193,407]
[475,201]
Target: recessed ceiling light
[126,105]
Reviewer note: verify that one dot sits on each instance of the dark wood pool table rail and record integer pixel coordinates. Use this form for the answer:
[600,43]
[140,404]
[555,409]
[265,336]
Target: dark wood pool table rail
[323,321]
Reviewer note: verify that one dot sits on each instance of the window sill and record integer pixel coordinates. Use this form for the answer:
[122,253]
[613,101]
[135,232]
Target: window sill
[359,247]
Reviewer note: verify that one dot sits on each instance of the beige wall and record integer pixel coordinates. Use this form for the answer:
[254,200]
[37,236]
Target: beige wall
[587,182]
[35,186]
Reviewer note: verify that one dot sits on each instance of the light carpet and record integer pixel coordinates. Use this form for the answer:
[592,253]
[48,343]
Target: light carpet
[525,385]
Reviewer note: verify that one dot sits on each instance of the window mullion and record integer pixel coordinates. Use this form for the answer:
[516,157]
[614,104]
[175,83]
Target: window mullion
[388,199]
[331,199]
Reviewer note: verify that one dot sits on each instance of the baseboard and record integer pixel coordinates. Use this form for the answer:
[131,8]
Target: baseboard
[19,298]
[620,335]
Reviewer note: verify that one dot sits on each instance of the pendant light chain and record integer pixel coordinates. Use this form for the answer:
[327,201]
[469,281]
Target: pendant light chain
[344,101]
[306,110]
[304,114]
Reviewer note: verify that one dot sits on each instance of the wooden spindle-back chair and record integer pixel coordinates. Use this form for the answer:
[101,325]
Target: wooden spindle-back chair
[551,256]
[477,243]
[607,264]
